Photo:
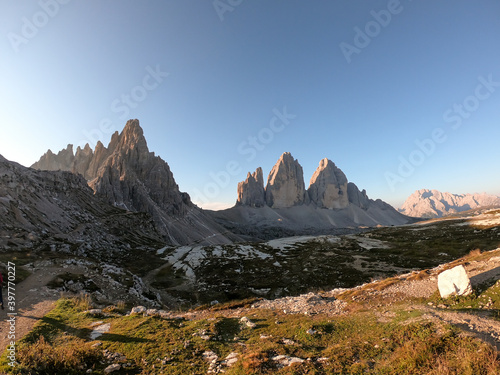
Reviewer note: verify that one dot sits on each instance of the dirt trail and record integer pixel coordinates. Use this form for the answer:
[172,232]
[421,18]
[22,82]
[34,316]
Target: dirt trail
[481,326]
[33,300]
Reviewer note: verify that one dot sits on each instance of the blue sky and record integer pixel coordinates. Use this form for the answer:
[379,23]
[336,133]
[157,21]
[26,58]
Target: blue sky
[401,95]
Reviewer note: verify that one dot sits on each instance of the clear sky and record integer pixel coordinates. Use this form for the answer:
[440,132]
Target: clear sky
[401,95]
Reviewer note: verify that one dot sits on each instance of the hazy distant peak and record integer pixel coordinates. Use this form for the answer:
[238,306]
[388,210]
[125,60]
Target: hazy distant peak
[433,203]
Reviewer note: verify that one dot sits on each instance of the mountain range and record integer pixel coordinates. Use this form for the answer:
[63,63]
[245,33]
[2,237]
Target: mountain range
[127,177]
[426,203]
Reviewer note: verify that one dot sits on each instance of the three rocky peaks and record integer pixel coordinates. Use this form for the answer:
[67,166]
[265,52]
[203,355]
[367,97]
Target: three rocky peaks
[328,187]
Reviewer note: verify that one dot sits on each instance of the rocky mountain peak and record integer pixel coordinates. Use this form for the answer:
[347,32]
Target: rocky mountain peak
[285,184]
[132,137]
[131,177]
[251,191]
[328,186]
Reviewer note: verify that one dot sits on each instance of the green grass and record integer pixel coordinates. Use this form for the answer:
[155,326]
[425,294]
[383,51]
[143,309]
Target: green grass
[355,344]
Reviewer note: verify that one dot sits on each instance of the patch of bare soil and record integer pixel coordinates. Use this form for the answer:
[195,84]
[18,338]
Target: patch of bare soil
[32,301]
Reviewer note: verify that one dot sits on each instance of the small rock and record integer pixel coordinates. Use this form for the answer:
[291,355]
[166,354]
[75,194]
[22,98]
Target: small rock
[94,312]
[288,342]
[248,322]
[112,368]
[284,360]
[164,314]
[152,312]
[210,356]
[231,359]
[138,310]
[311,331]
[100,330]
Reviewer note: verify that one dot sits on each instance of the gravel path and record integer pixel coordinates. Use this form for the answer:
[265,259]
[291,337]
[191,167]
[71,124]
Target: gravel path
[33,300]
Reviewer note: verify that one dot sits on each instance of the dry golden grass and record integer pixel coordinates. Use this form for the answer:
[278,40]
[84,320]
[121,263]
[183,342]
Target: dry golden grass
[70,357]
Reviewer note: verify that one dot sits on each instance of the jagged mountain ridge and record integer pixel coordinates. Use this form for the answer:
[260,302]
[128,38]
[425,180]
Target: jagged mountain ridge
[330,202]
[427,203]
[133,178]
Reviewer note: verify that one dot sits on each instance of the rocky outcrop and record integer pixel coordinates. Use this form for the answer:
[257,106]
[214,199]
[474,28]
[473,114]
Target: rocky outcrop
[132,178]
[251,191]
[328,186]
[433,203]
[63,161]
[57,210]
[285,184]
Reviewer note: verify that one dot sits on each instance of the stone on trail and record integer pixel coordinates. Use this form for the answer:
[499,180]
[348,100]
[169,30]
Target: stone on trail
[454,282]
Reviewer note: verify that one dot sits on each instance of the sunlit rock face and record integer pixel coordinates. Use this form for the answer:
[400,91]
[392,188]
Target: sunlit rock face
[285,184]
[251,191]
[328,186]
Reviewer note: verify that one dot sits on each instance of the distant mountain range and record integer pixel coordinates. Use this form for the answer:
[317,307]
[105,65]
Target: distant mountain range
[426,203]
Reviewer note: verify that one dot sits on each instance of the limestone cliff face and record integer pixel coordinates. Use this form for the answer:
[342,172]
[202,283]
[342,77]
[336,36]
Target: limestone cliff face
[285,184]
[328,186]
[131,177]
[82,160]
[356,197]
[251,191]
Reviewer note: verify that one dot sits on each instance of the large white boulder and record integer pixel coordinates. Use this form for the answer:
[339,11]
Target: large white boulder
[454,282]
